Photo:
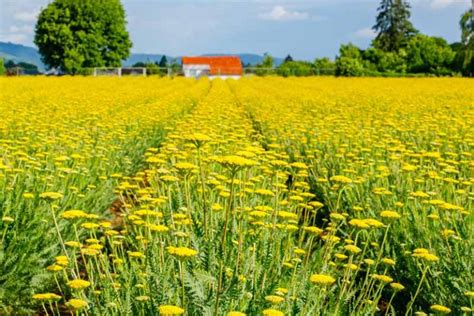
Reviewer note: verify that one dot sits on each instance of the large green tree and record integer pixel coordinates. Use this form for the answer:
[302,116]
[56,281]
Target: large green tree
[72,34]
[428,54]
[393,25]
[349,62]
[465,56]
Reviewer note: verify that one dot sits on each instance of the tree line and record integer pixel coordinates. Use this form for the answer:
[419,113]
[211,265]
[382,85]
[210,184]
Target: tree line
[74,35]
[398,49]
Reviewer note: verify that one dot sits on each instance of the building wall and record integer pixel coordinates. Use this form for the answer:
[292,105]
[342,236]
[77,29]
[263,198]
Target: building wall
[235,77]
[196,71]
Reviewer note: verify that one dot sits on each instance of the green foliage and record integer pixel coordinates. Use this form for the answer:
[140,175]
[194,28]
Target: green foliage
[264,67]
[27,66]
[267,61]
[465,54]
[175,66]
[163,62]
[393,26]
[423,54]
[378,60]
[73,34]
[467,27]
[350,67]
[324,66]
[154,69]
[429,55]
[2,67]
[10,67]
[296,68]
[349,62]
[349,51]
[139,64]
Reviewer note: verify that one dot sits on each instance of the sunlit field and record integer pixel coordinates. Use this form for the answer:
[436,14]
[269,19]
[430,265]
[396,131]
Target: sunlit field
[262,196]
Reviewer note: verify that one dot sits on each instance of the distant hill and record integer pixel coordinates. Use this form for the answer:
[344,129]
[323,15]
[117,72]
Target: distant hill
[18,52]
[137,57]
[251,59]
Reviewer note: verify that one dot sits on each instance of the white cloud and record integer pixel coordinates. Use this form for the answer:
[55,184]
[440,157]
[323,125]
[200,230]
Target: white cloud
[279,13]
[14,38]
[26,16]
[441,4]
[366,32]
[23,29]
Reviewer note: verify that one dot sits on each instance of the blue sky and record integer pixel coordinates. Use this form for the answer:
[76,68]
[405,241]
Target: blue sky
[304,28]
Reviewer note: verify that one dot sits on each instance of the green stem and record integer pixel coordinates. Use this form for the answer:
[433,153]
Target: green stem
[223,242]
[412,301]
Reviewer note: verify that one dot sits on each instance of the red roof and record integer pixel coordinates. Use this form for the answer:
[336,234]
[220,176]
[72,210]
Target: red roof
[219,65]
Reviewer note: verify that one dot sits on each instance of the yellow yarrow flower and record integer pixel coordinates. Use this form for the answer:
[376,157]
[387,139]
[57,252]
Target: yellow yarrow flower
[274,299]
[168,310]
[390,214]
[440,309]
[272,312]
[76,303]
[341,179]
[73,244]
[322,279]
[46,296]
[313,230]
[51,195]
[72,214]
[181,252]
[184,166]
[396,286]
[352,248]
[78,284]
[382,277]
[8,219]
[236,162]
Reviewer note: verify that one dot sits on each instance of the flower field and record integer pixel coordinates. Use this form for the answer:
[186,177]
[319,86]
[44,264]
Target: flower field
[263,196]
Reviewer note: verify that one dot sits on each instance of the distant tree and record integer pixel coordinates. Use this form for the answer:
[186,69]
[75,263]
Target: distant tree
[152,68]
[349,62]
[267,61]
[456,46]
[73,34]
[324,66]
[427,54]
[350,51]
[139,64]
[163,62]
[288,58]
[465,53]
[467,26]
[175,66]
[10,64]
[350,67]
[264,66]
[28,68]
[393,26]
[2,67]
[11,67]
[295,68]
[377,60]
